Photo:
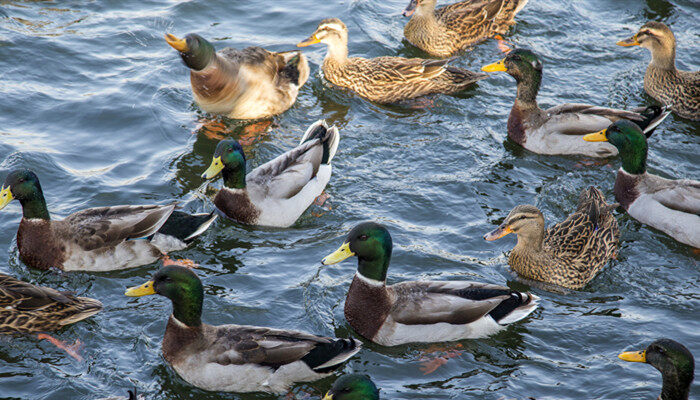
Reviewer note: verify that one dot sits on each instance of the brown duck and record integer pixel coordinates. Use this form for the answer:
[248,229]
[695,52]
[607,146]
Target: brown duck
[385,79]
[662,81]
[570,253]
[449,29]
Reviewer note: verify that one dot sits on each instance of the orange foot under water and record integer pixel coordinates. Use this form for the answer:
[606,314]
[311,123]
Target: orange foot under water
[430,363]
[71,349]
[504,45]
[212,128]
[184,262]
[254,131]
[320,201]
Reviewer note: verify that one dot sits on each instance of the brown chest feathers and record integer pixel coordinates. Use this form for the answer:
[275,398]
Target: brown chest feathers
[366,307]
[625,189]
[178,339]
[516,128]
[38,248]
[237,206]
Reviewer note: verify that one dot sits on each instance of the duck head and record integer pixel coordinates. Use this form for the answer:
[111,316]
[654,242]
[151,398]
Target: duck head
[523,65]
[353,387]
[229,160]
[423,7]
[371,243]
[196,52]
[333,33]
[23,185]
[630,142]
[657,38]
[527,222]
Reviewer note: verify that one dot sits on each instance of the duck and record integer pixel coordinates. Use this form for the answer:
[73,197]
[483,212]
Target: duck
[236,358]
[675,362]
[28,308]
[419,311]
[276,193]
[669,205]
[252,83]
[568,254]
[385,79]
[96,239]
[558,130]
[452,28]
[662,80]
[353,387]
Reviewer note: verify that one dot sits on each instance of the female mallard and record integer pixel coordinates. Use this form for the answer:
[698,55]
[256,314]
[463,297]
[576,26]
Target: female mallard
[425,311]
[385,79]
[679,89]
[570,253]
[450,29]
[243,84]
[673,360]
[237,358]
[353,387]
[279,191]
[558,130]
[96,239]
[27,308]
[671,206]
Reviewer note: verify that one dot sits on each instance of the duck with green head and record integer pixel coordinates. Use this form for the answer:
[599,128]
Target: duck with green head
[353,387]
[244,84]
[558,130]
[673,360]
[279,191]
[96,239]
[671,206]
[236,358]
[419,311]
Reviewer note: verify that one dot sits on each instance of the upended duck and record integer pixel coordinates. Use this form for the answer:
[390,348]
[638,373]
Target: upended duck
[243,84]
[662,80]
[27,308]
[568,254]
[279,191]
[96,239]
[353,387]
[558,130]
[385,79]
[449,29]
[237,358]
[671,206]
[675,362]
[419,311]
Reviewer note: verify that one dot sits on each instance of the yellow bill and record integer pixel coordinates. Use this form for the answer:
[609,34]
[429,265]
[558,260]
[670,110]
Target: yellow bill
[498,233]
[328,396]
[339,255]
[177,44]
[498,66]
[143,290]
[5,197]
[597,136]
[309,41]
[634,356]
[629,42]
[216,166]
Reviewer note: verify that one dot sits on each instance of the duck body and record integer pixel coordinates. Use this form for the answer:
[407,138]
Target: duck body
[279,191]
[419,311]
[385,79]
[27,308]
[444,31]
[244,84]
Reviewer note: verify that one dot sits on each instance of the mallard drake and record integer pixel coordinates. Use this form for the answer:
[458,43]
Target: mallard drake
[27,308]
[450,29]
[558,130]
[662,81]
[568,254]
[385,79]
[671,206]
[673,360]
[96,239]
[419,311]
[353,387]
[279,191]
[243,84]
[236,358]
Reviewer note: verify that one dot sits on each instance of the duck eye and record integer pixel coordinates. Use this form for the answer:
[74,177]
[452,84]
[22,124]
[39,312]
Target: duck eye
[363,237]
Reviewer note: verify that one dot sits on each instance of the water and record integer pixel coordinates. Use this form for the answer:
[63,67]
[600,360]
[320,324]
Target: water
[96,103]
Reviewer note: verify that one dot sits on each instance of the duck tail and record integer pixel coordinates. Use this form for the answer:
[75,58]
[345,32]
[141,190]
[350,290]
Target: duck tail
[327,357]
[652,116]
[463,78]
[329,136]
[84,307]
[186,227]
[291,69]
[592,202]
[516,307]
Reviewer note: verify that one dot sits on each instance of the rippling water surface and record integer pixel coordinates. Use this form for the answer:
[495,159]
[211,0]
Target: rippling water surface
[94,101]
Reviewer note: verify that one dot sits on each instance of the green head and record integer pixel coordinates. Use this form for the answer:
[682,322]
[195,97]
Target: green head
[673,360]
[371,243]
[630,142]
[181,286]
[23,185]
[229,159]
[523,65]
[353,387]
[195,51]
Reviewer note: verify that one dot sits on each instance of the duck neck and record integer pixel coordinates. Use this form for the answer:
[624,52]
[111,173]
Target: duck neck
[188,308]
[374,269]
[664,57]
[425,13]
[528,86]
[530,241]
[34,206]
[234,178]
[634,160]
[337,51]
[674,389]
